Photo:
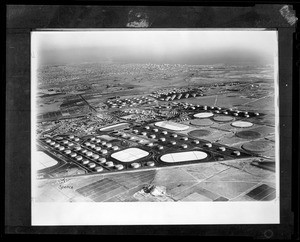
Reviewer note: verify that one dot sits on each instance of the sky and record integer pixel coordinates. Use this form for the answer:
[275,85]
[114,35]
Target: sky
[155,46]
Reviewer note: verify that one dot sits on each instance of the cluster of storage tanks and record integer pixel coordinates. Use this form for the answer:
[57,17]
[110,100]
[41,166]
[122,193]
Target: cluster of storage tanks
[92,154]
[85,154]
[226,111]
[120,103]
[178,96]
[172,96]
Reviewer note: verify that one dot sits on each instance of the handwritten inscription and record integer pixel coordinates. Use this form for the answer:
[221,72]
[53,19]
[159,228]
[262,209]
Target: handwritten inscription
[61,187]
[62,180]
[61,184]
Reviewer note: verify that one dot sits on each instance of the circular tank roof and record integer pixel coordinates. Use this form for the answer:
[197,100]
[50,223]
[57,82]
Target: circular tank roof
[203,115]
[183,156]
[242,124]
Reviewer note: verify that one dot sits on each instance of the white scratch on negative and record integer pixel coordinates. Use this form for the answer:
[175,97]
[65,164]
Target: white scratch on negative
[289,16]
[216,100]
[138,24]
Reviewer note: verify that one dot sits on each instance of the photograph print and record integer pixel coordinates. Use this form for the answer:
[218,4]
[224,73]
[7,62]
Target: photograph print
[178,116]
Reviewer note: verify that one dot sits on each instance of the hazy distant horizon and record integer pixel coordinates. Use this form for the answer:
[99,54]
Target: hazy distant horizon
[155,47]
[134,63]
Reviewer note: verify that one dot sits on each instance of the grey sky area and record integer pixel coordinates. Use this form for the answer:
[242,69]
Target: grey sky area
[170,47]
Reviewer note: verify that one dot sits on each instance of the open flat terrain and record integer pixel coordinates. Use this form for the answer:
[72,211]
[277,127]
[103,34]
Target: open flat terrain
[147,111]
